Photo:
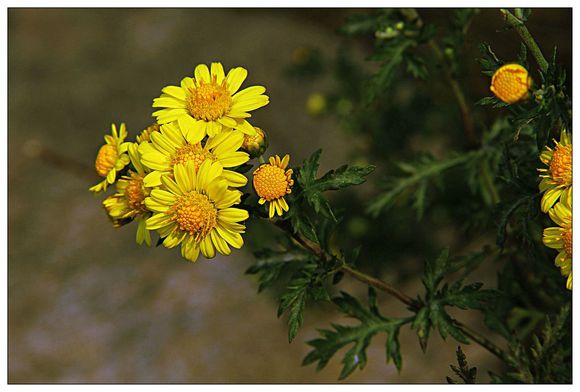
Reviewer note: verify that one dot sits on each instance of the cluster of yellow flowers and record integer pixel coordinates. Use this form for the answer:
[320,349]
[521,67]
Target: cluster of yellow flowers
[556,184]
[181,177]
[511,84]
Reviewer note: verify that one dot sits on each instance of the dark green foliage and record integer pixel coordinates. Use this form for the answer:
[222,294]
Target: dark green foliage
[546,358]
[432,313]
[484,191]
[305,285]
[270,264]
[464,372]
[312,188]
[360,336]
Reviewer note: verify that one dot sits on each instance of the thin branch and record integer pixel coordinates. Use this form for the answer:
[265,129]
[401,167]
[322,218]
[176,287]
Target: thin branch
[387,288]
[468,124]
[526,37]
[379,284]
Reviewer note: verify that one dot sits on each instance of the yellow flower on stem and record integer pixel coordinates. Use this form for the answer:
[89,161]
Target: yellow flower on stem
[210,102]
[272,182]
[129,201]
[511,83]
[169,147]
[557,177]
[111,158]
[196,211]
[560,238]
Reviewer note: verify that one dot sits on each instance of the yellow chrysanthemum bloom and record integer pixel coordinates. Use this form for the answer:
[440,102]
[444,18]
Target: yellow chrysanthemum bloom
[196,211]
[129,201]
[560,238]
[111,158]
[255,145]
[169,147]
[511,83]
[145,135]
[557,177]
[209,102]
[272,183]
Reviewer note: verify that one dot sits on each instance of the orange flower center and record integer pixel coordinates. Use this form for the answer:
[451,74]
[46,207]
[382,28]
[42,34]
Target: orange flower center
[106,159]
[567,239]
[192,152]
[561,164]
[209,101]
[271,182]
[511,83]
[195,214]
[134,193]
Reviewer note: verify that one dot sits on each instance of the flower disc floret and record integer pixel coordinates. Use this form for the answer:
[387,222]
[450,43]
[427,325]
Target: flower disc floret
[194,209]
[210,103]
[111,158]
[169,147]
[511,83]
[272,182]
[557,175]
[194,214]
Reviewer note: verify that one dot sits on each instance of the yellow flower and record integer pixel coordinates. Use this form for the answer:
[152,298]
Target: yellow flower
[209,102]
[145,135]
[316,104]
[196,211]
[111,158]
[557,177]
[560,238]
[129,201]
[272,183]
[169,147]
[511,83]
[255,145]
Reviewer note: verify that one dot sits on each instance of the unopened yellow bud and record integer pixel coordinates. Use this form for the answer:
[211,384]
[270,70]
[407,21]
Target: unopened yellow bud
[255,145]
[511,83]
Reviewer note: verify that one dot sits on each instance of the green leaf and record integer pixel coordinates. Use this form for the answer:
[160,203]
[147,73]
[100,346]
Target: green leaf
[270,264]
[435,270]
[311,188]
[464,372]
[359,337]
[305,285]
[426,170]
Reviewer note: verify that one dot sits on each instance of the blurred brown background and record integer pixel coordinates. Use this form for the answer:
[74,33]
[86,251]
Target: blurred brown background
[86,304]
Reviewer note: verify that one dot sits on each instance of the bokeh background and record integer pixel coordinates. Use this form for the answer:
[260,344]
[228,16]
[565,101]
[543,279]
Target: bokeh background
[86,304]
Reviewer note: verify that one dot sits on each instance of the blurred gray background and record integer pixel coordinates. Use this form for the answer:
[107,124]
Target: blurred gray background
[87,304]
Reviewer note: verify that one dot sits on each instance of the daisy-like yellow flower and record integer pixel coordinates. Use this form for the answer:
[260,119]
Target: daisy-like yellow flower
[129,201]
[210,102]
[145,135]
[255,145]
[196,211]
[272,182]
[557,177]
[111,158]
[511,83]
[560,238]
[169,147]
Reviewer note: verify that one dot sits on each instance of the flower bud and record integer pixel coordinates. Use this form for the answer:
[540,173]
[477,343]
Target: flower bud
[255,145]
[511,83]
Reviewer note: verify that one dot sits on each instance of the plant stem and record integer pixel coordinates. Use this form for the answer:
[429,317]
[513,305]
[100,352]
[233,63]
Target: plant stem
[468,124]
[379,284]
[387,288]
[515,22]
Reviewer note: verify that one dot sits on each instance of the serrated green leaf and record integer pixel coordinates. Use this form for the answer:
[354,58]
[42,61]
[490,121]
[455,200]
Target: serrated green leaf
[360,336]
